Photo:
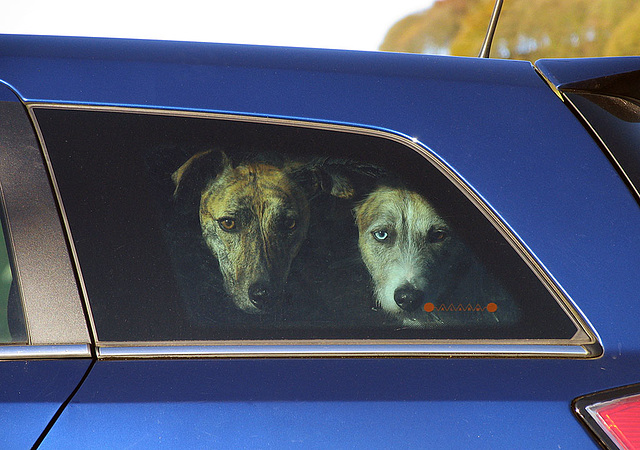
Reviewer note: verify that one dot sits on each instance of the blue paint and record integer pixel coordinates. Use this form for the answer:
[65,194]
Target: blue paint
[30,394]
[364,403]
[321,425]
[6,95]
[564,71]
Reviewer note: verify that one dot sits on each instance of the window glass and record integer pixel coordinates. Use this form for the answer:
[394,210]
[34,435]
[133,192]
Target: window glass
[617,122]
[12,328]
[198,228]
[5,288]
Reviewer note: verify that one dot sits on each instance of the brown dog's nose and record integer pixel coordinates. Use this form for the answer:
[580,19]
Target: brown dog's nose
[262,295]
[407,297]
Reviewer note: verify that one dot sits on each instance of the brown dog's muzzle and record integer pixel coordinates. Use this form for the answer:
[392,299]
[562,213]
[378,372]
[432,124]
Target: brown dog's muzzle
[265,295]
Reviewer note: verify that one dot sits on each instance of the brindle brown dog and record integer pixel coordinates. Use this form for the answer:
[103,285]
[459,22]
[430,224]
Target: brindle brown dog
[254,217]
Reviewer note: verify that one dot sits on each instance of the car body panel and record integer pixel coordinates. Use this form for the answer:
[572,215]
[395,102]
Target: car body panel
[442,403]
[31,393]
[497,124]
[565,71]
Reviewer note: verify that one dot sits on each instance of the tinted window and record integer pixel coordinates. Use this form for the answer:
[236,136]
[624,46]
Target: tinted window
[617,122]
[12,327]
[202,228]
[5,288]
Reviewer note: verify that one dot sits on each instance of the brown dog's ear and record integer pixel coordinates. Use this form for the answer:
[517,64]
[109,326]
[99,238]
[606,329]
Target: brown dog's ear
[338,177]
[176,176]
[198,169]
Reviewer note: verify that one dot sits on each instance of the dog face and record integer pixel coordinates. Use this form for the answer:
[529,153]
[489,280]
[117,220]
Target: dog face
[409,250]
[254,218]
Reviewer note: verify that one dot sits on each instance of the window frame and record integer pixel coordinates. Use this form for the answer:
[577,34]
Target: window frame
[42,268]
[584,344]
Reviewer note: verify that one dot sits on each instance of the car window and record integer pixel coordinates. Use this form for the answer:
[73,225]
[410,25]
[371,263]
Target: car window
[12,327]
[612,107]
[5,288]
[210,227]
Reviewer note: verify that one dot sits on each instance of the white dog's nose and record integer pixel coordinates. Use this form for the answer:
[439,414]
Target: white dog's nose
[407,297]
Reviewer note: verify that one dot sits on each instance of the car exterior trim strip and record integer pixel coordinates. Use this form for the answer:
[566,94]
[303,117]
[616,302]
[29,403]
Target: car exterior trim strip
[12,352]
[331,350]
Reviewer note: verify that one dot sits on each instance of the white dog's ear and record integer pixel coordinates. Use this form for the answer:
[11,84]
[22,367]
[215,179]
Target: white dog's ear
[198,169]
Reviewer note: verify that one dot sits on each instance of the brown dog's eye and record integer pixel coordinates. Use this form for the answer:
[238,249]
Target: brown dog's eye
[227,223]
[437,235]
[290,224]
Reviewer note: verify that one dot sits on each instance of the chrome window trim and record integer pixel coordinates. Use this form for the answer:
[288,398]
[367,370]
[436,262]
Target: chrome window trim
[340,350]
[13,352]
[43,270]
[585,343]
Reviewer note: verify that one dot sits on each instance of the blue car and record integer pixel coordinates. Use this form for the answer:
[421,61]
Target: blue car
[226,246]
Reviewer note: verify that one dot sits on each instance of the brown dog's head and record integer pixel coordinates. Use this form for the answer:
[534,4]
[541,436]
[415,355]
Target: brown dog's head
[254,218]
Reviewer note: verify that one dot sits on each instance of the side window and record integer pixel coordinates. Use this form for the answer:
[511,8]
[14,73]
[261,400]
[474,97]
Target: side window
[204,228]
[5,288]
[12,327]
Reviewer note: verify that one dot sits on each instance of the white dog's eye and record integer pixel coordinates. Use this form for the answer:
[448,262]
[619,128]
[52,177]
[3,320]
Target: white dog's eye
[380,235]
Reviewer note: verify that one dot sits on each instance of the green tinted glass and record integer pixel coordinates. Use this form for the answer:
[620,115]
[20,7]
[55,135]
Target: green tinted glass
[5,288]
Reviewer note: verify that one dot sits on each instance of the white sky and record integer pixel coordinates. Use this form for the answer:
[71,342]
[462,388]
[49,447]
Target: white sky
[344,24]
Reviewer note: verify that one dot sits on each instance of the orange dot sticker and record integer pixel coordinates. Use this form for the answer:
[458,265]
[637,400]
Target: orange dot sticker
[492,307]
[428,307]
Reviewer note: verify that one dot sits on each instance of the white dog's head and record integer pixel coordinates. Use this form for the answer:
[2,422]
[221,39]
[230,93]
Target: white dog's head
[409,250]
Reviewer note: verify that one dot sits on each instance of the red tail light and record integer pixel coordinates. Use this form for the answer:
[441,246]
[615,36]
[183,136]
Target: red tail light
[614,416]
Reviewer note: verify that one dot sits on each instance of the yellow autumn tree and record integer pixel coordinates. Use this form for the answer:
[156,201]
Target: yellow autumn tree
[528,29]
[625,38]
